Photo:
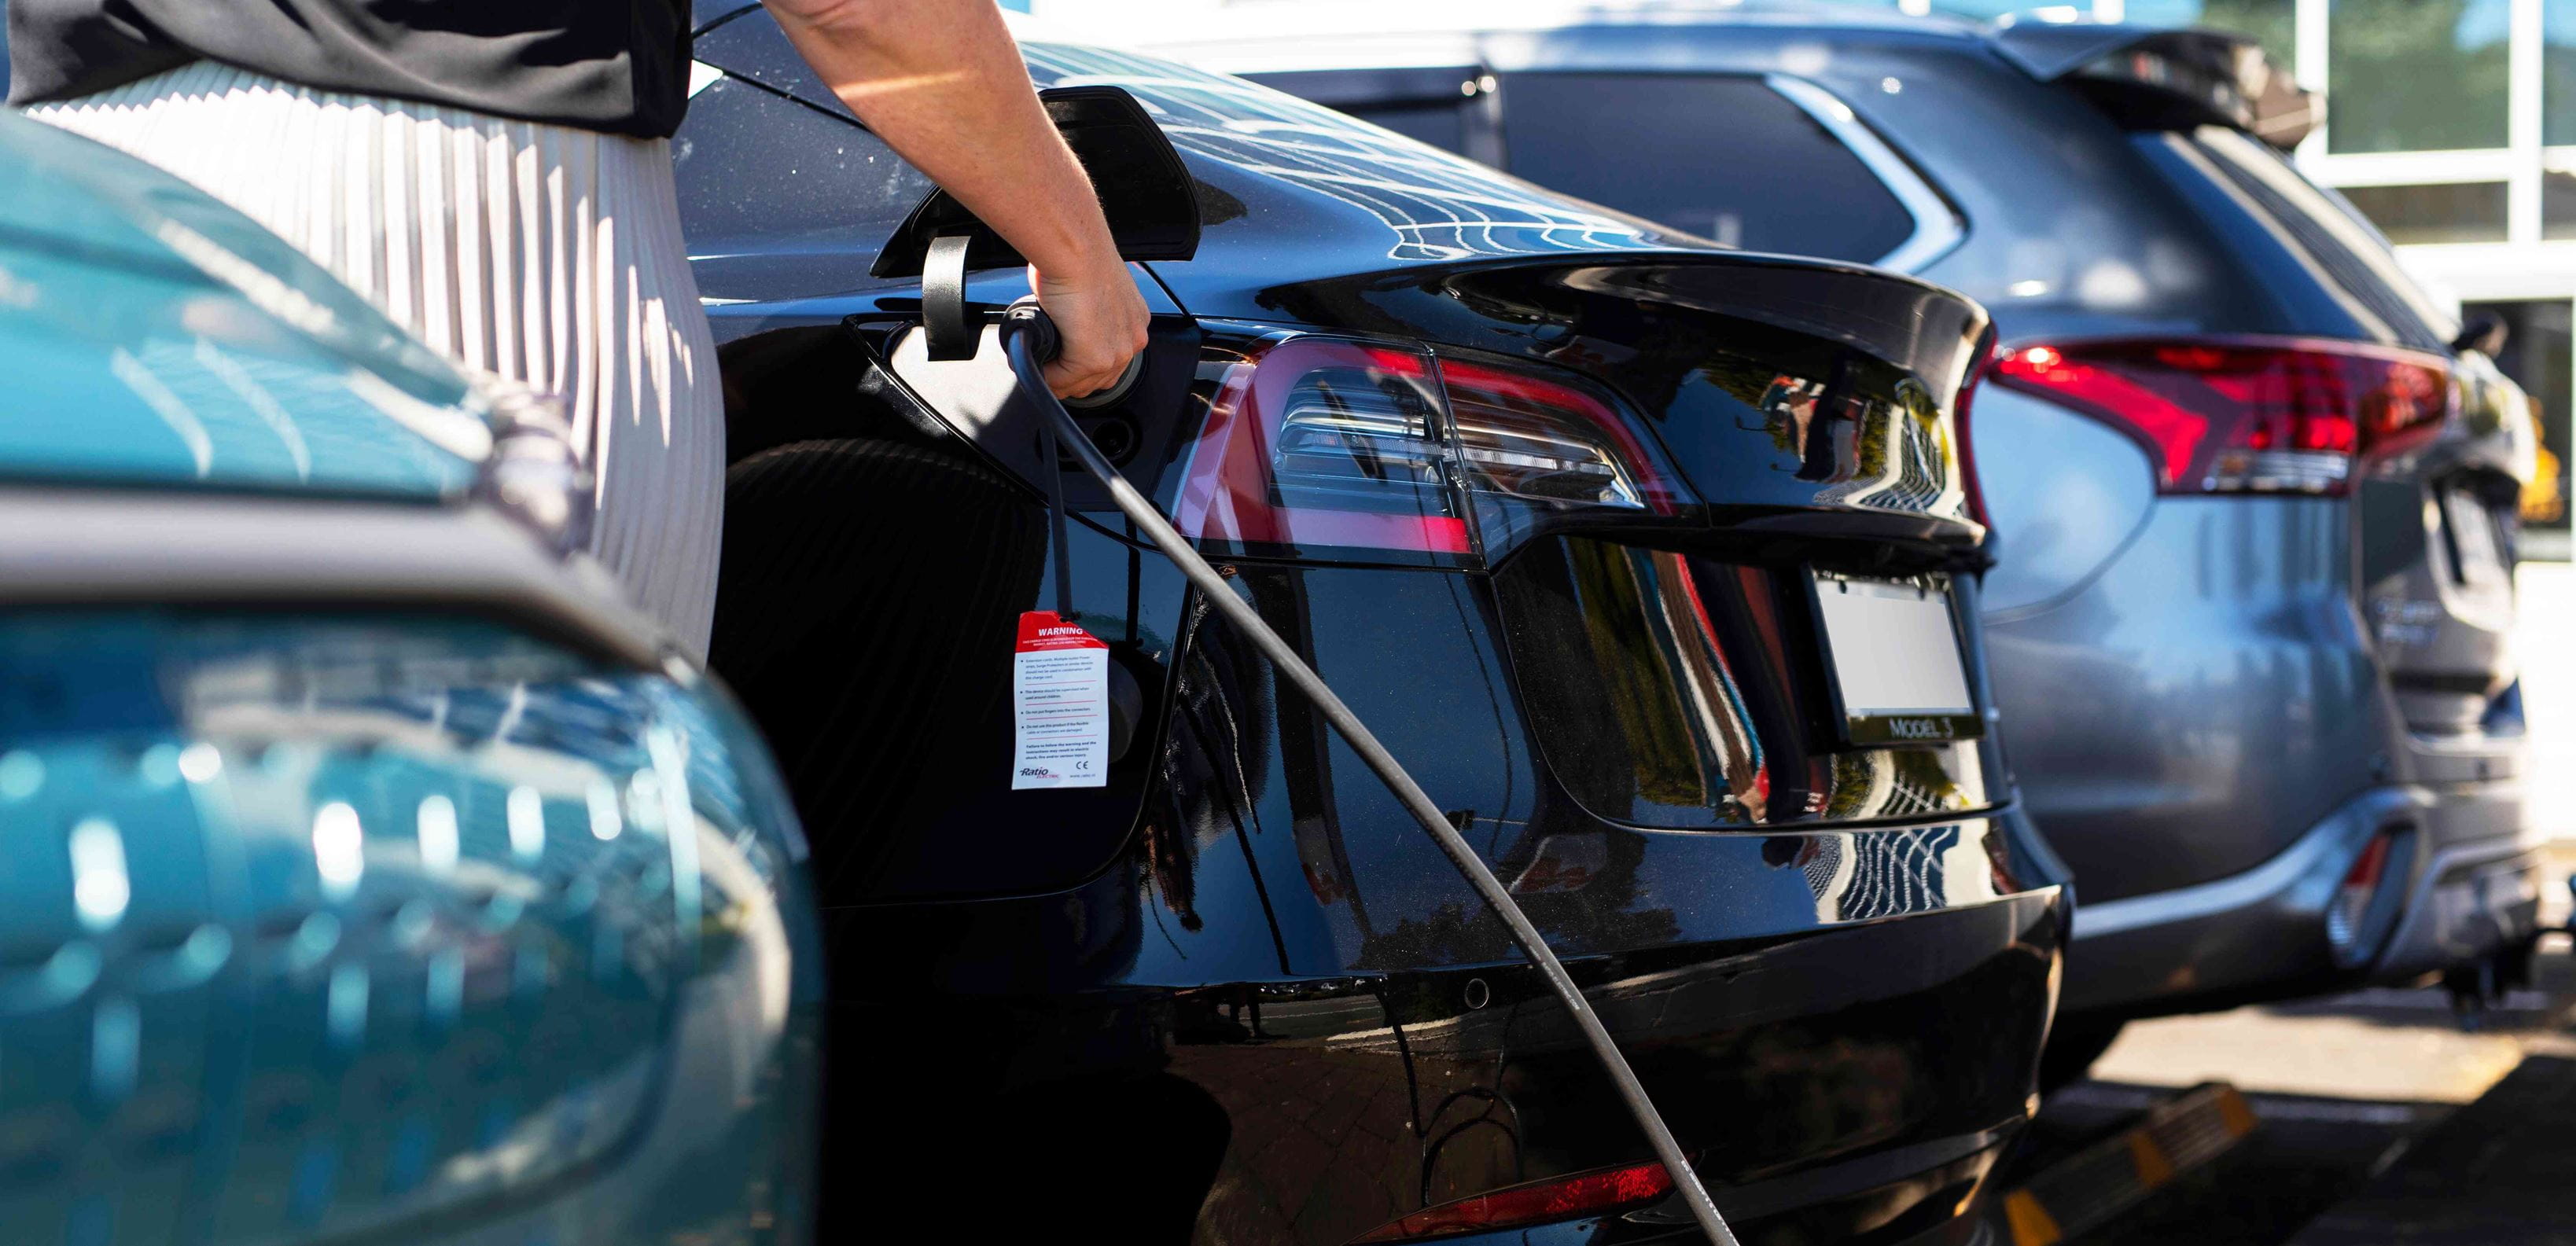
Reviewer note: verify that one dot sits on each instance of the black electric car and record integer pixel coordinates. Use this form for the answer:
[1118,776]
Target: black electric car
[1656,565]
[2255,494]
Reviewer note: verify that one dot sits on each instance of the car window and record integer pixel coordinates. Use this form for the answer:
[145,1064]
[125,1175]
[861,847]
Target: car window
[2346,251]
[1726,158]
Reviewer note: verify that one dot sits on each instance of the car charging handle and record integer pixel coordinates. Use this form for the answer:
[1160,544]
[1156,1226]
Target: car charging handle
[1030,341]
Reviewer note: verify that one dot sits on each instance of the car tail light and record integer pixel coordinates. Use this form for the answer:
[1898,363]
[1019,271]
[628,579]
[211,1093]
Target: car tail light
[2348,918]
[1557,1198]
[1315,442]
[1549,441]
[2244,415]
[1327,447]
[1976,489]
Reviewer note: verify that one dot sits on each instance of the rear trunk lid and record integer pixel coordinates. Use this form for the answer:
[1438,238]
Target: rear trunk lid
[1712,494]
[1702,669]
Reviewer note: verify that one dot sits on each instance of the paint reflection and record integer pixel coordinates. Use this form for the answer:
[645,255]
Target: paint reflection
[355,937]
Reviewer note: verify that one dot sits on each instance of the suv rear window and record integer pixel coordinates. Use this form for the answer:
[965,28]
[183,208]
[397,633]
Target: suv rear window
[1726,158]
[1722,156]
[2341,248]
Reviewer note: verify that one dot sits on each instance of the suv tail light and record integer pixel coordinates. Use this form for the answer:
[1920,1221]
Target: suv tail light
[2366,901]
[2244,415]
[1327,447]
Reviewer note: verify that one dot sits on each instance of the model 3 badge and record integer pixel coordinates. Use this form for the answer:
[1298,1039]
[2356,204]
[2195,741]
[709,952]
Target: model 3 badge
[1915,728]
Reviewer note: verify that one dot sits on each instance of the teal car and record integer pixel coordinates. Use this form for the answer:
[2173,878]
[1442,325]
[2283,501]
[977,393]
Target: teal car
[368,872]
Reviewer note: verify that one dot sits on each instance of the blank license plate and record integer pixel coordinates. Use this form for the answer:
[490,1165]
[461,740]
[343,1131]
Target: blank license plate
[1893,650]
[2476,539]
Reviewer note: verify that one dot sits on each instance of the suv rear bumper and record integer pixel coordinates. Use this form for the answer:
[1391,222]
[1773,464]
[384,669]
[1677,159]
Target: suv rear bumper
[2472,888]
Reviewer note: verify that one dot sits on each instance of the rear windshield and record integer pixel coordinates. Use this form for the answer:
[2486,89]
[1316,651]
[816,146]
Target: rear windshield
[1722,156]
[1442,125]
[1726,158]
[2297,221]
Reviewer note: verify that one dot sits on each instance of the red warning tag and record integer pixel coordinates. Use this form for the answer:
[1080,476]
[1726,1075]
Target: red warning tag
[1059,705]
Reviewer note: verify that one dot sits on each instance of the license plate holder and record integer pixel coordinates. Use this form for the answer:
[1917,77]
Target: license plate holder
[2477,540]
[1895,671]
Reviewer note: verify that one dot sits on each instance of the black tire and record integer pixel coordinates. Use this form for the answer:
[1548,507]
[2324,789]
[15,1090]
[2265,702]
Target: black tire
[865,610]
[2074,1043]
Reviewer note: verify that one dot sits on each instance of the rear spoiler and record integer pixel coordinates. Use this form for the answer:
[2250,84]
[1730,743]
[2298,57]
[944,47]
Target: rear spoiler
[2168,78]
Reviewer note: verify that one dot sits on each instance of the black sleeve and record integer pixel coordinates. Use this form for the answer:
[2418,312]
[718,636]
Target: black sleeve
[617,66]
[60,49]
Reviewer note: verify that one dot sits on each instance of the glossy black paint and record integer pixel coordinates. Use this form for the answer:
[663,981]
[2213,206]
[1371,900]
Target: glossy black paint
[1274,944]
[1774,383]
[1260,1007]
[1745,739]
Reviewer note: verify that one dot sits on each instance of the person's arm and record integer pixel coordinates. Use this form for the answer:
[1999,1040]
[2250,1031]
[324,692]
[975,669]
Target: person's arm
[942,83]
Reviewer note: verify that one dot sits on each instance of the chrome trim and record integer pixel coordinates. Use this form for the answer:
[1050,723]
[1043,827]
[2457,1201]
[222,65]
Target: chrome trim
[1937,229]
[63,547]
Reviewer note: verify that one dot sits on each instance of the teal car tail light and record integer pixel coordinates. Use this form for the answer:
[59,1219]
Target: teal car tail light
[318,927]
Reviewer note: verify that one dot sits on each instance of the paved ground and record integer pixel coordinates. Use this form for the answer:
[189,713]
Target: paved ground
[2354,1095]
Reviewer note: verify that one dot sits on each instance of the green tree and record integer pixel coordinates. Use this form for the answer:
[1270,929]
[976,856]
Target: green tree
[2411,75]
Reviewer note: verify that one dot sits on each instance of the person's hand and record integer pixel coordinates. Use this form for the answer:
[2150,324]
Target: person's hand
[1101,319]
[942,82]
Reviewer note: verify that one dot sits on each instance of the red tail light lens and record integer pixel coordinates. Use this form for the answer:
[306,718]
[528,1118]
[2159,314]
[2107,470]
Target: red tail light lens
[1319,443]
[1976,489]
[1558,1198]
[1327,447]
[1551,441]
[2244,415]
[2352,899]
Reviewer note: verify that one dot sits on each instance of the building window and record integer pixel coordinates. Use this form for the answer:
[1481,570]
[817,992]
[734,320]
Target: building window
[2267,22]
[2558,72]
[2456,212]
[2557,205]
[2416,75]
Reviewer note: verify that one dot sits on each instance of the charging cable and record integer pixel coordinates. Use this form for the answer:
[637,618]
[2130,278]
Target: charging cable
[1030,340]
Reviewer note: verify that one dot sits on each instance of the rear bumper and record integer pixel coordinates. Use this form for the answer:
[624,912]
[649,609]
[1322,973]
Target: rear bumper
[2472,900]
[2471,888]
[1842,1081]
